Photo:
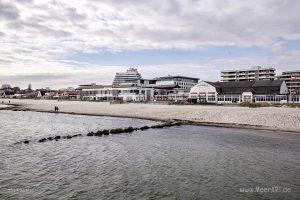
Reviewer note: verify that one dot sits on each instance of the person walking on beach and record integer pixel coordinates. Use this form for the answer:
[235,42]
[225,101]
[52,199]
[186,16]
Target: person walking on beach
[56,109]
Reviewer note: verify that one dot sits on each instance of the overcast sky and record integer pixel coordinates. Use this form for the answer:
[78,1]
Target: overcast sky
[61,43]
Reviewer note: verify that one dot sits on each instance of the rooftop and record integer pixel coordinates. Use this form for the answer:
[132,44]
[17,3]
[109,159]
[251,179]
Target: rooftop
[257,87]
[186,77]
[254,68]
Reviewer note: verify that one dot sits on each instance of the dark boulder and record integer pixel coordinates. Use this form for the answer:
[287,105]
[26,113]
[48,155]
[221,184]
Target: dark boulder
[158,126]
[42,140]
[128,129]
[105,132]
[69,137]
[91,133]
[116,131]
[98,133]
[57,137]
[144,127]
[26,142]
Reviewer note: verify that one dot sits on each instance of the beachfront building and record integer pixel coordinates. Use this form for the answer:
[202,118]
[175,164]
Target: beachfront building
[141,92]
[292,79]
[146,82]
[63,94]
[5,86]
[185,83]
[130,86]
[169,91]
[173,88]
[237,92]
[7,91]
[256,73]
[123,92]
[131,76]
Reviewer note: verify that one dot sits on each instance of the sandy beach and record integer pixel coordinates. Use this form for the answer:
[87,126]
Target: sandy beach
[272,118]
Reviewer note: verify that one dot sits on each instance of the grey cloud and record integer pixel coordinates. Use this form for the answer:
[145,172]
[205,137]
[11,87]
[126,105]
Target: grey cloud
[38,29]
[74,15]
[24,1]
[42,31]
[4,62]
[8,11]
[178,24]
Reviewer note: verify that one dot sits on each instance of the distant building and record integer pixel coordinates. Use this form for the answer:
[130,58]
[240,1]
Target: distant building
[65,94]
[130,76]
[255,74]
[2,93]
[292,79]
[130,86]
[146,82]
[7,91]
[70,89]
[29,88]
[123,92]
[237,92]
[5,86]
[184,82]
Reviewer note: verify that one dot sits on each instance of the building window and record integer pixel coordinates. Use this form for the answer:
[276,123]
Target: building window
[211,98]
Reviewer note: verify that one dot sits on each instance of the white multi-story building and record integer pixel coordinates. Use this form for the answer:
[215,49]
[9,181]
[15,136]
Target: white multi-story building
[130,86]
[130,76]
[121,92]
[255,74]
[292,79]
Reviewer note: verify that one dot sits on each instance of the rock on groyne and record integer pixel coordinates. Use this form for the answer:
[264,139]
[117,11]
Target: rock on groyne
[130,129]
[106,132]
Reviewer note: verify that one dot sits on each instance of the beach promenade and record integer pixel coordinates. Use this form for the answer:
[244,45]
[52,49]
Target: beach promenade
[272,118]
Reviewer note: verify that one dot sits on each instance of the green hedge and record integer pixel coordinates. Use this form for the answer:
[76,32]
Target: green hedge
[266,104]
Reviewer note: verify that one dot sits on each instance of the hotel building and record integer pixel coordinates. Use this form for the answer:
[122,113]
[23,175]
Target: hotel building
[129,86]
[130,76]
[292,79]
[254,74]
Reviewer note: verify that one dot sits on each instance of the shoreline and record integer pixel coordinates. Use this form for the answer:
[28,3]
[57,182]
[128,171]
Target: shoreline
[22,107]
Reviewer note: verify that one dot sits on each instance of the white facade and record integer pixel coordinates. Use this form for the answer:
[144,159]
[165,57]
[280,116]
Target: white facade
[130,76]
[292,79]
[118,93]
[205,92]
[185,83]
[256,73]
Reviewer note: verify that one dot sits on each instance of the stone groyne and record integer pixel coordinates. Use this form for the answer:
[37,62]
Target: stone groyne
[105,132]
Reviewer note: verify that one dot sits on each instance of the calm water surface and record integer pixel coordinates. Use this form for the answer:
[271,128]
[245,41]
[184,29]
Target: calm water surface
[187,162]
